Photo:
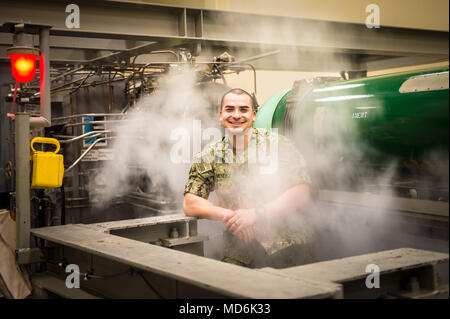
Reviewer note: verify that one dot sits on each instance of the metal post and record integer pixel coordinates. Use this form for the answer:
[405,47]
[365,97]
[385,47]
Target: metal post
[44,75]
[22,139]
[22,39]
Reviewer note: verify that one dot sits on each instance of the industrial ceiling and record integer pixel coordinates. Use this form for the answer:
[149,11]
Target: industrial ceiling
[115,31]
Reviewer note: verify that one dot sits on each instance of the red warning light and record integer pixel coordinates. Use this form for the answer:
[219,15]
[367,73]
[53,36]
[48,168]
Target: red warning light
[23,66]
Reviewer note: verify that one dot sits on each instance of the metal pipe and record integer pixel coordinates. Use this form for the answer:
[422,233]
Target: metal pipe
[22,141]
[149,200]
[45,119]
[95,122]
[86,85]
[63,136]
[82,82]
[256,57]
[87,114]
[72,138]
[85,153]
[186,229]
[67,73]
[166,51]
[93,133]
[66,84]
[22,39]
[70,103]
[109,91]
[71,199]
[134,88]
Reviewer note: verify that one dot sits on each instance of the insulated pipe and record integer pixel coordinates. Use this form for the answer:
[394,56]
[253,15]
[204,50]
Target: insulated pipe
[22,140]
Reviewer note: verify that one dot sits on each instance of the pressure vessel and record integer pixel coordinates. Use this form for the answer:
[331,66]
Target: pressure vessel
[397,122]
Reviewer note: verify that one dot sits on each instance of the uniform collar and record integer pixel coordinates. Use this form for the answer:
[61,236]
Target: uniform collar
[226,142]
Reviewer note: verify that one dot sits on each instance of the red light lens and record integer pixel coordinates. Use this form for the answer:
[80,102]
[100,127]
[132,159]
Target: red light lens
[23,67]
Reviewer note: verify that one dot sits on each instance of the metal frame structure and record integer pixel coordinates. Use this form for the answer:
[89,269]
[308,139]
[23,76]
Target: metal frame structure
[107,247]
[118,30]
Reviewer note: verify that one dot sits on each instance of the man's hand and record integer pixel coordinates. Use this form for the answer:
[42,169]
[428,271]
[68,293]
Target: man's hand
[240,223]
[246,234]
[227,214]
[241,218]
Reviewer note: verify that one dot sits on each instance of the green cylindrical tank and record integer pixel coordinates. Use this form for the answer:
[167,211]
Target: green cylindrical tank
[369,122]
[271,113]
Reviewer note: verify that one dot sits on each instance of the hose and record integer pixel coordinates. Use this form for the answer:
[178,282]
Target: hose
[96,133]
[85,153]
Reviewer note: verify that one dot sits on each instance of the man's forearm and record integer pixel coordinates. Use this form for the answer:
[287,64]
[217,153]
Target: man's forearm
[196,206]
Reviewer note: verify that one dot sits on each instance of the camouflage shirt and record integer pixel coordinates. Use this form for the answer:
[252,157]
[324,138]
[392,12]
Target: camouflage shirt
[249,178]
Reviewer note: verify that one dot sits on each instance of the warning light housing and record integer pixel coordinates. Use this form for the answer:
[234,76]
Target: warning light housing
[23,63]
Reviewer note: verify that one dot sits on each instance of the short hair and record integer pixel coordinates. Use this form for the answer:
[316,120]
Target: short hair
[239,91]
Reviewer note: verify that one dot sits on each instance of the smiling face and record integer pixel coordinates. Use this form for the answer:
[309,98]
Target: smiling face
[237,114]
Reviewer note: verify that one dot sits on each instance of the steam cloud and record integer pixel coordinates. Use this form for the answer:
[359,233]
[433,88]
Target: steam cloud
[144,141]
[145,138]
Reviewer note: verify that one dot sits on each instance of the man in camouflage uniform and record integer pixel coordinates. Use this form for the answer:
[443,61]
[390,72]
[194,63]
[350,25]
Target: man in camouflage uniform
[259,195]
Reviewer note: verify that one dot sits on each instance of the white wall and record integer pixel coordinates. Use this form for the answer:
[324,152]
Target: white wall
[269,82]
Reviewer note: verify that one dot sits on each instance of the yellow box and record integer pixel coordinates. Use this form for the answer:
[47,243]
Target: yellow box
[48,167]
